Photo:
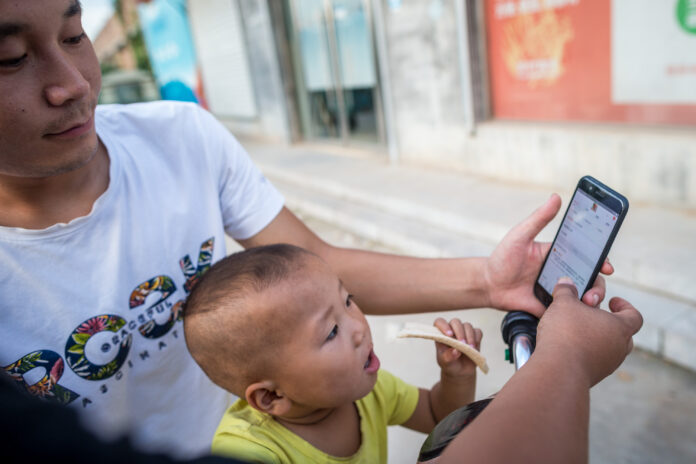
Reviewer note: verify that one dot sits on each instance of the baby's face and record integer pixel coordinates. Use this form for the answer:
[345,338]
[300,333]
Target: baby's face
[328,359]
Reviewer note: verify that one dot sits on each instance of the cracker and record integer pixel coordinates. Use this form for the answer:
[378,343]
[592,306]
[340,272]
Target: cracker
[429,332]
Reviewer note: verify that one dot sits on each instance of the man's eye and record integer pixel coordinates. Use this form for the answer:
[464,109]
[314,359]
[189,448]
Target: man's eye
[349,301]
[75,40]
[333,333]
[12,62]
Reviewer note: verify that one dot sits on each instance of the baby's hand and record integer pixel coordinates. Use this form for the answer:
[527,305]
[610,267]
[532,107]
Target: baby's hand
[451,361]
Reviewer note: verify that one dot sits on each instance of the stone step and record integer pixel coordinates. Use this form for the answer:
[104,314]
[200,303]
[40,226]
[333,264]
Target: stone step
[416,227]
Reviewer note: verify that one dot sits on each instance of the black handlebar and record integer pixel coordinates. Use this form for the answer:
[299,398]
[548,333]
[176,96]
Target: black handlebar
[519,331]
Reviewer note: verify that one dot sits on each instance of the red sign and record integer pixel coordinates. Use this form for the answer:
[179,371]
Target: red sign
[551,60]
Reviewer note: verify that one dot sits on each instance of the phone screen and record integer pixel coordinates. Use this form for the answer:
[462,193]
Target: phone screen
[580,242]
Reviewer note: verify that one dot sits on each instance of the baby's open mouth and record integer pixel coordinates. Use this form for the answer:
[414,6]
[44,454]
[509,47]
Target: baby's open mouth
[372,363]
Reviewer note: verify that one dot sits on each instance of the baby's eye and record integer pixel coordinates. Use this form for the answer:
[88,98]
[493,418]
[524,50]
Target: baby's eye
[349,300]
[333,333]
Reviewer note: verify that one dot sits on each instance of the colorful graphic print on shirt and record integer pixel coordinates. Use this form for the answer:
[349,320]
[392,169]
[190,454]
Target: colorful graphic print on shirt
[122,339]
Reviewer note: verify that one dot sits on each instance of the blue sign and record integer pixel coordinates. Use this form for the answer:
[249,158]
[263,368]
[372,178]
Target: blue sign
[170,47]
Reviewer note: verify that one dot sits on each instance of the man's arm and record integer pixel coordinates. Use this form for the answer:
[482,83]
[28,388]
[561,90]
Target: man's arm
[389,284]
[384,283]
[542,413]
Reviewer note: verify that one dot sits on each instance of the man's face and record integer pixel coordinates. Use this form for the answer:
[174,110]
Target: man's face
[49,84]
[329,359]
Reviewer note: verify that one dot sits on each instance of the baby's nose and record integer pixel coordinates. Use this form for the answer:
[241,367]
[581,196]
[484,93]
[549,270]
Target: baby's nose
[358,336]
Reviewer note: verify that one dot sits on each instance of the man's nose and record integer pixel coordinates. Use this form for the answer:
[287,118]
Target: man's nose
[65,81]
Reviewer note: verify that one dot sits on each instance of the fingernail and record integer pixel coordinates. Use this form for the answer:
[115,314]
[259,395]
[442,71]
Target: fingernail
[595,300]
[449,332]
[566,280]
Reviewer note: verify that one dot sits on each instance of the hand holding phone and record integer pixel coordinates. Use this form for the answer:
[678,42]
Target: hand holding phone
[583,240]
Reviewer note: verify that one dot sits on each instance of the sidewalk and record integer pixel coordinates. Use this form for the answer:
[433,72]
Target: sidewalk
[641,414]
[429,212]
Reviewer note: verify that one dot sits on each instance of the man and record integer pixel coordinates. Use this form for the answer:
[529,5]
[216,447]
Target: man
[107,218]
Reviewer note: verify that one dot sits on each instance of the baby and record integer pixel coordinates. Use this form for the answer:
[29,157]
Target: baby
[276,327]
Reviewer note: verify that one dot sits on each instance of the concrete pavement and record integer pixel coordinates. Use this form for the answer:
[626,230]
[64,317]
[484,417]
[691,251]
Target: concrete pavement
[431,212]
[643,413]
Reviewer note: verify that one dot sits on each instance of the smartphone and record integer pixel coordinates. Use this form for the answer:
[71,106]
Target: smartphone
[582,243]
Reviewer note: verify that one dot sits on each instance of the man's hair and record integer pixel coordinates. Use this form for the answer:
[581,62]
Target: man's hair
[230,336]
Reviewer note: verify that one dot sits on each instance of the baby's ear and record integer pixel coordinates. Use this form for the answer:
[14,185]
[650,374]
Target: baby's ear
[265,397]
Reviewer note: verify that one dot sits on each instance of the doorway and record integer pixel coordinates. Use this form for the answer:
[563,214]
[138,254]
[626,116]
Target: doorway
[335,70]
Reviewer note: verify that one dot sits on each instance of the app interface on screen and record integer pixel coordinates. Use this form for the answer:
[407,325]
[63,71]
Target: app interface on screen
[585,230]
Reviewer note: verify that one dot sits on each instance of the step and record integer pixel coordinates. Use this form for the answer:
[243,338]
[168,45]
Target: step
[428,212]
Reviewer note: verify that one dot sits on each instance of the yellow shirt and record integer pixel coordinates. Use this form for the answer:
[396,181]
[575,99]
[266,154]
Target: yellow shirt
[247,434]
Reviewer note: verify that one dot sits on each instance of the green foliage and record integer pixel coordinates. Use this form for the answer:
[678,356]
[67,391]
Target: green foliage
[108,67]
[134,35]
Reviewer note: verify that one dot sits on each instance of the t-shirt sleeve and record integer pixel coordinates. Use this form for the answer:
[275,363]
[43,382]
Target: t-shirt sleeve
[248,201]
[237,447]
[400,398]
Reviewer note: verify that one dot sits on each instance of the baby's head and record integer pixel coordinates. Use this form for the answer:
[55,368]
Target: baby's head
[275,325]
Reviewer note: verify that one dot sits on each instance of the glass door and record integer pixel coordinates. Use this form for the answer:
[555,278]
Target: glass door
[335,67]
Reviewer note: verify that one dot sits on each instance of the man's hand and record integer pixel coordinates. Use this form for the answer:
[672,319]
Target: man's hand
[515,263]
[542,413]
[590,338]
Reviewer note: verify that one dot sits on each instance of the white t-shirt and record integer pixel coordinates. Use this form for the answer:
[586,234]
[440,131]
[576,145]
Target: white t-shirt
[90,310]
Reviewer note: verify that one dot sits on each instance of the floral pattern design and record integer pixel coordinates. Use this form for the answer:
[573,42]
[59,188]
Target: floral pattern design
[75,347]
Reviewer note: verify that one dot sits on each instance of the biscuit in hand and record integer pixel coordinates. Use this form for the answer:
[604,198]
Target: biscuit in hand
[429,332]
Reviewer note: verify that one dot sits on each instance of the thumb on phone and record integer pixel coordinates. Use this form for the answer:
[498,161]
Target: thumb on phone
[565,286]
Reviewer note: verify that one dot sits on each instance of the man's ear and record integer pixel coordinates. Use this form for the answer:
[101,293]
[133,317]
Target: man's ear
[265,397]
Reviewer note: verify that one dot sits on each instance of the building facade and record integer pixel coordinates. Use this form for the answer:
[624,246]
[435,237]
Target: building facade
[534,91]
